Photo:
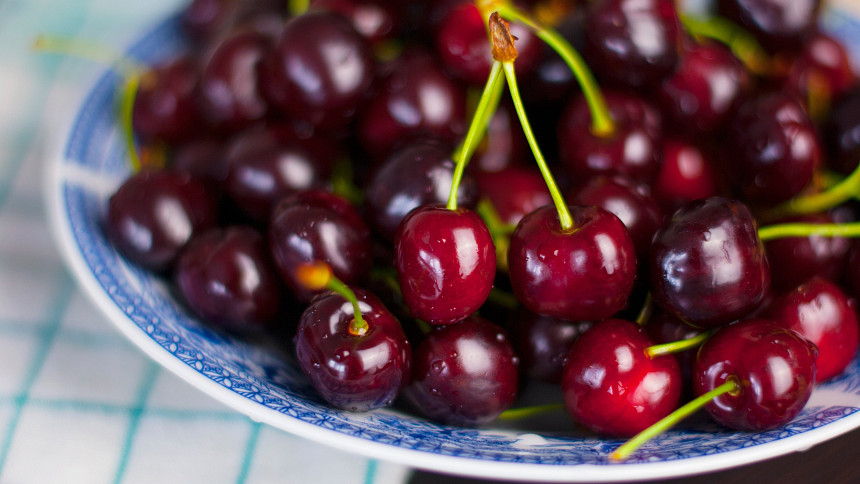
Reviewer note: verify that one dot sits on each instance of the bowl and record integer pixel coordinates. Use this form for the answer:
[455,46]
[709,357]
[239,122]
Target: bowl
[258,380]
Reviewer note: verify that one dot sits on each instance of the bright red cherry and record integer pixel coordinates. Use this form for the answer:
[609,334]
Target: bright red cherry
[687,174]
[612,386]
[356,370]
[464,373]
[585,274]
[821,313]
[708,265]
[446,263]
[773,369]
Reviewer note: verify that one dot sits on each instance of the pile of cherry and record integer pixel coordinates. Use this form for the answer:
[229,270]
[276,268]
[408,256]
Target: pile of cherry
[314,164]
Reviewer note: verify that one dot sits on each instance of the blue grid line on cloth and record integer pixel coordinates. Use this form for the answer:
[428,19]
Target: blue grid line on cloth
[250,448]
[136,412]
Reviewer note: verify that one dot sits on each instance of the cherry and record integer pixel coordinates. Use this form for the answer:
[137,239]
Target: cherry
[795,260]
[319,70]
[636,209]
[823,70]
[773,370]
[632,150]
[774,148]
[445,261]
[513,192]
[318,227]
[686,174]
[226,277]
[708,265]
[419,174]
[503,145]
[203,19]
[664,328]
[778,25]
[164,106]
[203,158]
[415,99]
[464,374]
[154,214]
[706,88]
[543,343]
[841,133]
[582,274]
[461,41]
[632,42]
[228,93]
[375,20]
[821,313]
[610,384]
[353,366]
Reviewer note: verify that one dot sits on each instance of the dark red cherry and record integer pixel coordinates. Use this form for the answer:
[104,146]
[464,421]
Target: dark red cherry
[706,88]
[632,42]
[795,260]
[419,174]
[445,261]
[610,384]
[415,99]
[228,93]
[226,277]
[514,192]
[774,148]
[356,372]
[318,71]
[203,19]
[464,374]
[822,69]
[201,157]
[504,144]
[636,209]
[267,164]
[665,328]
[686,174]
[461,42]
[841,133]
[708,265]
[543,343]
[852,271]
[164,106]
[779,25]
[823,314]
[375,20]
[323,228]
[633,150]
[585,274]
[154,214]
[773,367]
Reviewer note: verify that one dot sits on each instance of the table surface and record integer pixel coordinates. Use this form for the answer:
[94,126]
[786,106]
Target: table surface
[78,403]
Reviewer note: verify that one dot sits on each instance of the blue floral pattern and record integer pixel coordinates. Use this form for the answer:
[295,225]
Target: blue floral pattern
[262,372]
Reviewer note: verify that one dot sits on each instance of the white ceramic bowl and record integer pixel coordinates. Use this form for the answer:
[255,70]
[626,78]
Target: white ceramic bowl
[256,380]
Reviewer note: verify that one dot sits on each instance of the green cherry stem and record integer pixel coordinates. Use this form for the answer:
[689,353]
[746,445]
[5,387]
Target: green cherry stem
[602,124]
[670,420]
[647,309]
[129,93]
[678,346]
[780,231]
[298,7]
[525,412]
[742,44]
[317,276]
[92,51]
[839,193]
[486,107]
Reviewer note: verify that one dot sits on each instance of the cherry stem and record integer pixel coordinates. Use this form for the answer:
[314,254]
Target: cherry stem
[838,194]
[92,51]
[602,124]
[780,231]
[342,182]
[525,412]
[502,298]
[317,276]
[486,107]
[678,346]
[742,44]
[499,231]
[129,93]
[647,309]
[298,7]
[671,420]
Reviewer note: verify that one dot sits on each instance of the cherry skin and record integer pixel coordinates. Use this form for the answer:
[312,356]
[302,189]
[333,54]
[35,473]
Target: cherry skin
[319,227]
[355,372]
[585,274]
[687,174]
[445,261]
[708,265]
[543,343]
[319,70]
[514,192]
[778,25]
[375,20]
[164,106]
[226,277]
[774,148]
[154,214]
[632,42]
[823,66]
[632,151]
[420,173]
[773,367]
[822,314]
[610,384]
[795,260]
[464,374]
[841,133]
[203,158]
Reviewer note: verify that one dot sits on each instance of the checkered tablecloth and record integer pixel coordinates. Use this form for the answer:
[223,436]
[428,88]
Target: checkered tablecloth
[78,403]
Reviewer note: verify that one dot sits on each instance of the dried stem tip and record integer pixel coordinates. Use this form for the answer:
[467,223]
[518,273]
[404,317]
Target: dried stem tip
[314,275]
[503,42]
